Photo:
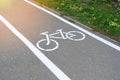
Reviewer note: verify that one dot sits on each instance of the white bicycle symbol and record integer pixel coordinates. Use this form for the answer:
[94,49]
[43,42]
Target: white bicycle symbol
[49,44]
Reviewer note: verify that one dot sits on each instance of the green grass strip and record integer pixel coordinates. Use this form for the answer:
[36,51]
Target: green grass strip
[97,14]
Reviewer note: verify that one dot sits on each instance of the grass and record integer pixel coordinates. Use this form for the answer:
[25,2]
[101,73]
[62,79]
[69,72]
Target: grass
[99,15]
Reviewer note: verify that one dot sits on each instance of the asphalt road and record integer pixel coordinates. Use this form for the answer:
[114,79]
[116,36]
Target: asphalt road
[77,55]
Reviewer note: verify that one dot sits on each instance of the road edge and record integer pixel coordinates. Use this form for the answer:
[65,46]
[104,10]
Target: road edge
[78,23]
[95,36]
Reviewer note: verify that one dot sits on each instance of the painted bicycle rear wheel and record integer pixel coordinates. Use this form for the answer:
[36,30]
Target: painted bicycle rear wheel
[75,35]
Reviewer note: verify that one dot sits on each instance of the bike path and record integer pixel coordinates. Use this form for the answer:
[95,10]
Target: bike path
[88,59]
[17,62]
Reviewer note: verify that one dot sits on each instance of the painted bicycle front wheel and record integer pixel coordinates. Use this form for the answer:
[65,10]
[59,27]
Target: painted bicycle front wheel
[42,45]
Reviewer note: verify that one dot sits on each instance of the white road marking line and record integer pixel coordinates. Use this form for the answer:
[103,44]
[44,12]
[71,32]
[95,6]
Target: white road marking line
[48,63]
[76,26]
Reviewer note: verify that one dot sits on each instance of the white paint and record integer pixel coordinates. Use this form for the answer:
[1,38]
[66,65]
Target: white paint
[47,49]
[71,34]
[76,26]
[63,35]
[48,63]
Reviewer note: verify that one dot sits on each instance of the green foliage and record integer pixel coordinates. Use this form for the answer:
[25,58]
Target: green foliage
[98,14]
